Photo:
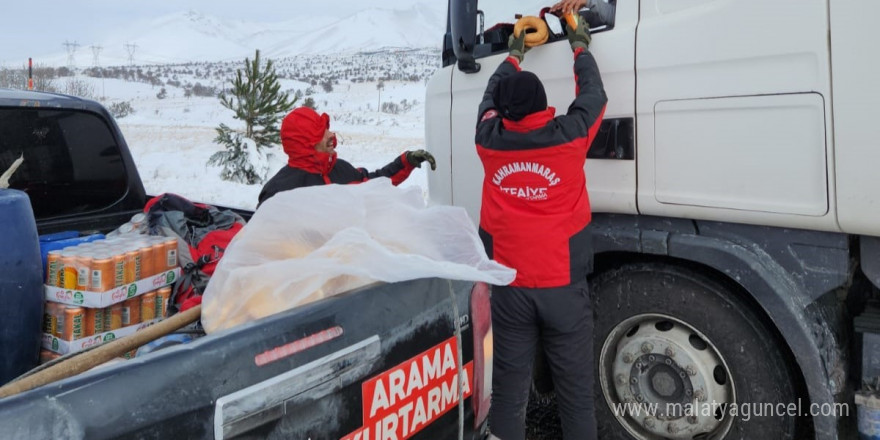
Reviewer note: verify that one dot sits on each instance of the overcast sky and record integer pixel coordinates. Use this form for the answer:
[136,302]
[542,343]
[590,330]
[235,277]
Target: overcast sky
[39,27]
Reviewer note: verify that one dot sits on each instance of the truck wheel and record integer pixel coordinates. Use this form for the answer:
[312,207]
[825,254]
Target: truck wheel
[679,356]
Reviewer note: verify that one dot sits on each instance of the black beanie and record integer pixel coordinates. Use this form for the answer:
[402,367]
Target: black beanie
[519,95]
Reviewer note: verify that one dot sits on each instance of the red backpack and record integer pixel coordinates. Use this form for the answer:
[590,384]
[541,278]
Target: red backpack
[203,232]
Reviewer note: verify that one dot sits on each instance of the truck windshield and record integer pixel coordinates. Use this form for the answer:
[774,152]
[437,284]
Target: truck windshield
[72,162]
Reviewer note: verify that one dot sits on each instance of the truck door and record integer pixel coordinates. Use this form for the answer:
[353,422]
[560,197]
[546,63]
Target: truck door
[611,170]
[734,111]
[856,94]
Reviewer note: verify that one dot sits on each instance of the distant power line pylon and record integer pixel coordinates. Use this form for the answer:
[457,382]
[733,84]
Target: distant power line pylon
[96,52]
[130,48]
[71,51]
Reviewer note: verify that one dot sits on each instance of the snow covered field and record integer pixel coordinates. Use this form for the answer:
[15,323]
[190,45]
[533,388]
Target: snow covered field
[172,138]
[194,52]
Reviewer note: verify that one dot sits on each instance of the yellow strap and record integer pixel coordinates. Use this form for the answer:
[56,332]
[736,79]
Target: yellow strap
[538,27]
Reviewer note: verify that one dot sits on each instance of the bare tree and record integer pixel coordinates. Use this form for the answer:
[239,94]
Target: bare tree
[80,88]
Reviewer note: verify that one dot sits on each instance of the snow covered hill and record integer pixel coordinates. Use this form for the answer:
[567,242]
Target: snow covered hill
[374,29]
[161,78]
[190,36]
[173,112]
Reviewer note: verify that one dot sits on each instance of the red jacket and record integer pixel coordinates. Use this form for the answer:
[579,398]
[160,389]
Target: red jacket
[535,206]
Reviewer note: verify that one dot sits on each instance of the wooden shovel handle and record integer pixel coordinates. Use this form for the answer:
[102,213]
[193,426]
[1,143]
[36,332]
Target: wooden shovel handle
[101,354]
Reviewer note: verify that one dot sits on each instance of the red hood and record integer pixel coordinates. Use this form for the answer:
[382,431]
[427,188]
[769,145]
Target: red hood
[301,130]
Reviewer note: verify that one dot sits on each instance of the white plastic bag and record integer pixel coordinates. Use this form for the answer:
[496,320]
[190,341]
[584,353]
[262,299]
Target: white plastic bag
[314,242]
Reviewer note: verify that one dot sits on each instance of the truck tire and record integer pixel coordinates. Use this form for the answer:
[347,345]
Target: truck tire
[673,337]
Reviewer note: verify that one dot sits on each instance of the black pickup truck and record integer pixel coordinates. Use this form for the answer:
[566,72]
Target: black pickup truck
[381,362]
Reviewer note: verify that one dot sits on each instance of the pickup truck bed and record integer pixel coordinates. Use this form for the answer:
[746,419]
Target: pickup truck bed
[229,384]
[381,358]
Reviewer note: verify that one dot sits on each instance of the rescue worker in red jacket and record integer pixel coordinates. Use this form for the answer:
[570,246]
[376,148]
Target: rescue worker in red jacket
[311,152]
[534,217]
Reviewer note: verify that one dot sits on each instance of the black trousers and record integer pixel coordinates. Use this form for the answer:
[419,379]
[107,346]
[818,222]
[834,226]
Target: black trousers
[560,320]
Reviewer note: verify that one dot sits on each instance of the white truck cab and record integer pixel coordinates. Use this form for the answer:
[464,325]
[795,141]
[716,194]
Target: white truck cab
[734,193]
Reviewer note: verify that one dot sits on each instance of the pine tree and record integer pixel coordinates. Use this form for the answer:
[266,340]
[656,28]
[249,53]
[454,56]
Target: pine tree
[257,101]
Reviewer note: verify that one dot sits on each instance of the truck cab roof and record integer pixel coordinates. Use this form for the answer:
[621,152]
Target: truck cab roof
[77,171]
[28,98]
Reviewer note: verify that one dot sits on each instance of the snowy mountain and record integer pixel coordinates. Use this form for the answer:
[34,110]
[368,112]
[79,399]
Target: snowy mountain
[373,29]
[367,68]
[193,36]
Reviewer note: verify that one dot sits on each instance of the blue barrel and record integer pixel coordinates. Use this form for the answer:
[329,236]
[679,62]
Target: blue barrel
[21,286]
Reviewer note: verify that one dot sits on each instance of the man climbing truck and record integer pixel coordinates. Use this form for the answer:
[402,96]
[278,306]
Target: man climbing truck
[734,204]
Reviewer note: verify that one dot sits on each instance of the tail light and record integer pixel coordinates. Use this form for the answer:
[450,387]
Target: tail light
[481,317]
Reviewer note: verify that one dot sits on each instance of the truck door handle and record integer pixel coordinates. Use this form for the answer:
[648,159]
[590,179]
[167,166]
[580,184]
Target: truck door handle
[267,401]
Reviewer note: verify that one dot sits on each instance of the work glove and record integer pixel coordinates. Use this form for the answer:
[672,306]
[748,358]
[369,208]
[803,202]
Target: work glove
[580,37]
[415,158]
[517,45]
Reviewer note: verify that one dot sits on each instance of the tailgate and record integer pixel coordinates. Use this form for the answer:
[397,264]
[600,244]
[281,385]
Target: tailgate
[339,368]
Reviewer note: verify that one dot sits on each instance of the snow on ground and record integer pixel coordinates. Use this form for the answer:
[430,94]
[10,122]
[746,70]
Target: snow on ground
[171,139]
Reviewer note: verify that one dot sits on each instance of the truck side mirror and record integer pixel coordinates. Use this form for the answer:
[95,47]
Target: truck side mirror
[463,24]
[601,16]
